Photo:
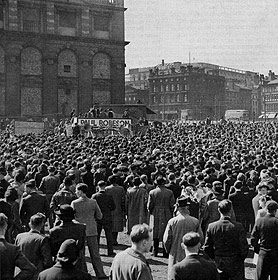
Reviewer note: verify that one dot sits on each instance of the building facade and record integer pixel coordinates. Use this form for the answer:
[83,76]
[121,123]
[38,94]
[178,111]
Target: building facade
[136,95]
[57,55]
[187,93]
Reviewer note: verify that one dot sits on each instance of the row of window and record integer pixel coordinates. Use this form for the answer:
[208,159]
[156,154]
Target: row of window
[271,97]
[272,107]
[31,63]
[172,87]
[270,89]
[179,98]
[67,22]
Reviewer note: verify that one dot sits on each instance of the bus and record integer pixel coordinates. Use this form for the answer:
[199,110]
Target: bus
[237,115]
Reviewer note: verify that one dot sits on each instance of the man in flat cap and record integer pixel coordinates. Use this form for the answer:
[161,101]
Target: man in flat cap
[264,239]
[176,228]
[11,256]
[226,243]
[64,267]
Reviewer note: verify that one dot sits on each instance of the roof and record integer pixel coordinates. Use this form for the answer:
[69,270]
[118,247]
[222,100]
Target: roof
[273,82]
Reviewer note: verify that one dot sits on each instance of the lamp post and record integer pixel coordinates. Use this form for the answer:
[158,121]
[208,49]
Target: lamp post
[263,95]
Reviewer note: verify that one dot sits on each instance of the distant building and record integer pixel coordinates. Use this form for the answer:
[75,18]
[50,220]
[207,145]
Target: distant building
[136,95]
[59,55]
[188,93]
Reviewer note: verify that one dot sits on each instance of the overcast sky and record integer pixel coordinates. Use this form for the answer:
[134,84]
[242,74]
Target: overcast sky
[241,34]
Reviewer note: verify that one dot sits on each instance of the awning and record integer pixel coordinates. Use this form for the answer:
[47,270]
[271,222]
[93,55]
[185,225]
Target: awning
[149,111]
[268,116]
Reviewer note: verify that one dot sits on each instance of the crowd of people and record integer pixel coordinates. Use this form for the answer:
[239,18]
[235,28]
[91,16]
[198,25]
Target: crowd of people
[191,193]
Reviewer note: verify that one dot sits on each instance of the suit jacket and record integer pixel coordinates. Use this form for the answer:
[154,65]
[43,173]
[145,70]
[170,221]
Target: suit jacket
[36,248]
[11,256]
[32,204]
[226,239]
[67,230]
[49,184]
[265,230]
[61,272]
[241,203]
[194,267]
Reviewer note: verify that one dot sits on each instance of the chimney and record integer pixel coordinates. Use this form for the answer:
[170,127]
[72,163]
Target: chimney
[162,62]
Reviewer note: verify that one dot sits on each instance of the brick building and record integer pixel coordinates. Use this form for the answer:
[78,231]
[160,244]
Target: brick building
[57,55]
[186,92]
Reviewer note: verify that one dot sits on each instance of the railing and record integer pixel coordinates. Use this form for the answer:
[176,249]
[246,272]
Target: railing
[30,26]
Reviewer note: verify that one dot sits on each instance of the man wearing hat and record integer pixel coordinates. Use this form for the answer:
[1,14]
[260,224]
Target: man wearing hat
[34,245]
[68,230]
[226,243]
[176,228]
[11,256]
[264,239]
[65,266]
[193,266]
[160,205]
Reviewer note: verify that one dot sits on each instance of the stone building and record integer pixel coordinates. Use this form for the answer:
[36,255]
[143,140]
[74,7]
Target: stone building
[57,55]
[188,92]
[136,95]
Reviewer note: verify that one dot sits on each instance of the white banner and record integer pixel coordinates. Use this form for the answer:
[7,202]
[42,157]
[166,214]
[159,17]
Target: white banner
[104,123]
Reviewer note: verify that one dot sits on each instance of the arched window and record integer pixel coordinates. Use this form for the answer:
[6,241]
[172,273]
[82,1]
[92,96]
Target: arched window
[31,61]
[101,66]
[67,64]
[2,60]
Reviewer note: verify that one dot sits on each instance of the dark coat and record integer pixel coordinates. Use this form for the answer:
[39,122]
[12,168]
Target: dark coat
[226,243]
[11,256]
[36,248]
[60,272]
[31,205]
[194,267]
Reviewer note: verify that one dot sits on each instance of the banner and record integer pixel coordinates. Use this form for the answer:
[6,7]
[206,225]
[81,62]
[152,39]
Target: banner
[21,127]
[104,123]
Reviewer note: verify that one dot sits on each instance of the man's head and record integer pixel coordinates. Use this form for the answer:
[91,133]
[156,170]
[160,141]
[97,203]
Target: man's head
[101,184]
[81,190]
[191,242]
[68,252]
[30,186]
[3,223]
[272,207]
[141,237]
[225,207]
[37,221]
[65,212]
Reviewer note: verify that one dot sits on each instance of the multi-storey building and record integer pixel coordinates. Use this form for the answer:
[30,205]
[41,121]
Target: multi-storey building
[186,92]
[136,95]
[57,55]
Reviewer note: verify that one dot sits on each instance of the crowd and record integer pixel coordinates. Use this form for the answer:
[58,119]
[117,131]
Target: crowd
[189,192]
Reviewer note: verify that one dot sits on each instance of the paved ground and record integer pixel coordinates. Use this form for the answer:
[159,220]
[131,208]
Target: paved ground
[158,264]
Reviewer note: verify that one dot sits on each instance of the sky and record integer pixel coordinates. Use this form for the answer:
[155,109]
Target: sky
[241,34]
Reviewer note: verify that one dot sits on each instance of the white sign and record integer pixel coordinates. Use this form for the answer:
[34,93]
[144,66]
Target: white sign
[104,123]
[21,127]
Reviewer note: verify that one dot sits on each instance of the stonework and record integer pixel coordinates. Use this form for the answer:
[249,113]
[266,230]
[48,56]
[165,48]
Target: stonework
[31,101]
[31,62]
[67,100]
[101,97]
[2,60]
[67,65]
[2,100]
[101,66]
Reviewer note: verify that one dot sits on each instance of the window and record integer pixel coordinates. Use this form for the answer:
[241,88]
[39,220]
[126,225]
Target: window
[1,16]
[178,98]
[172,87]
[67,19]
[30,20]
[161,88]
[167,88]
[178,87]
[185,98]
[67,68]
[101,23]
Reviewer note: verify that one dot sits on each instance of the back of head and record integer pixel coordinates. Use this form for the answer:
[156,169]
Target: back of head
[82,187]
[37,220]
[68,252]
[3,220]
[31,184]
[140,232]
[191,239]
[225,206]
